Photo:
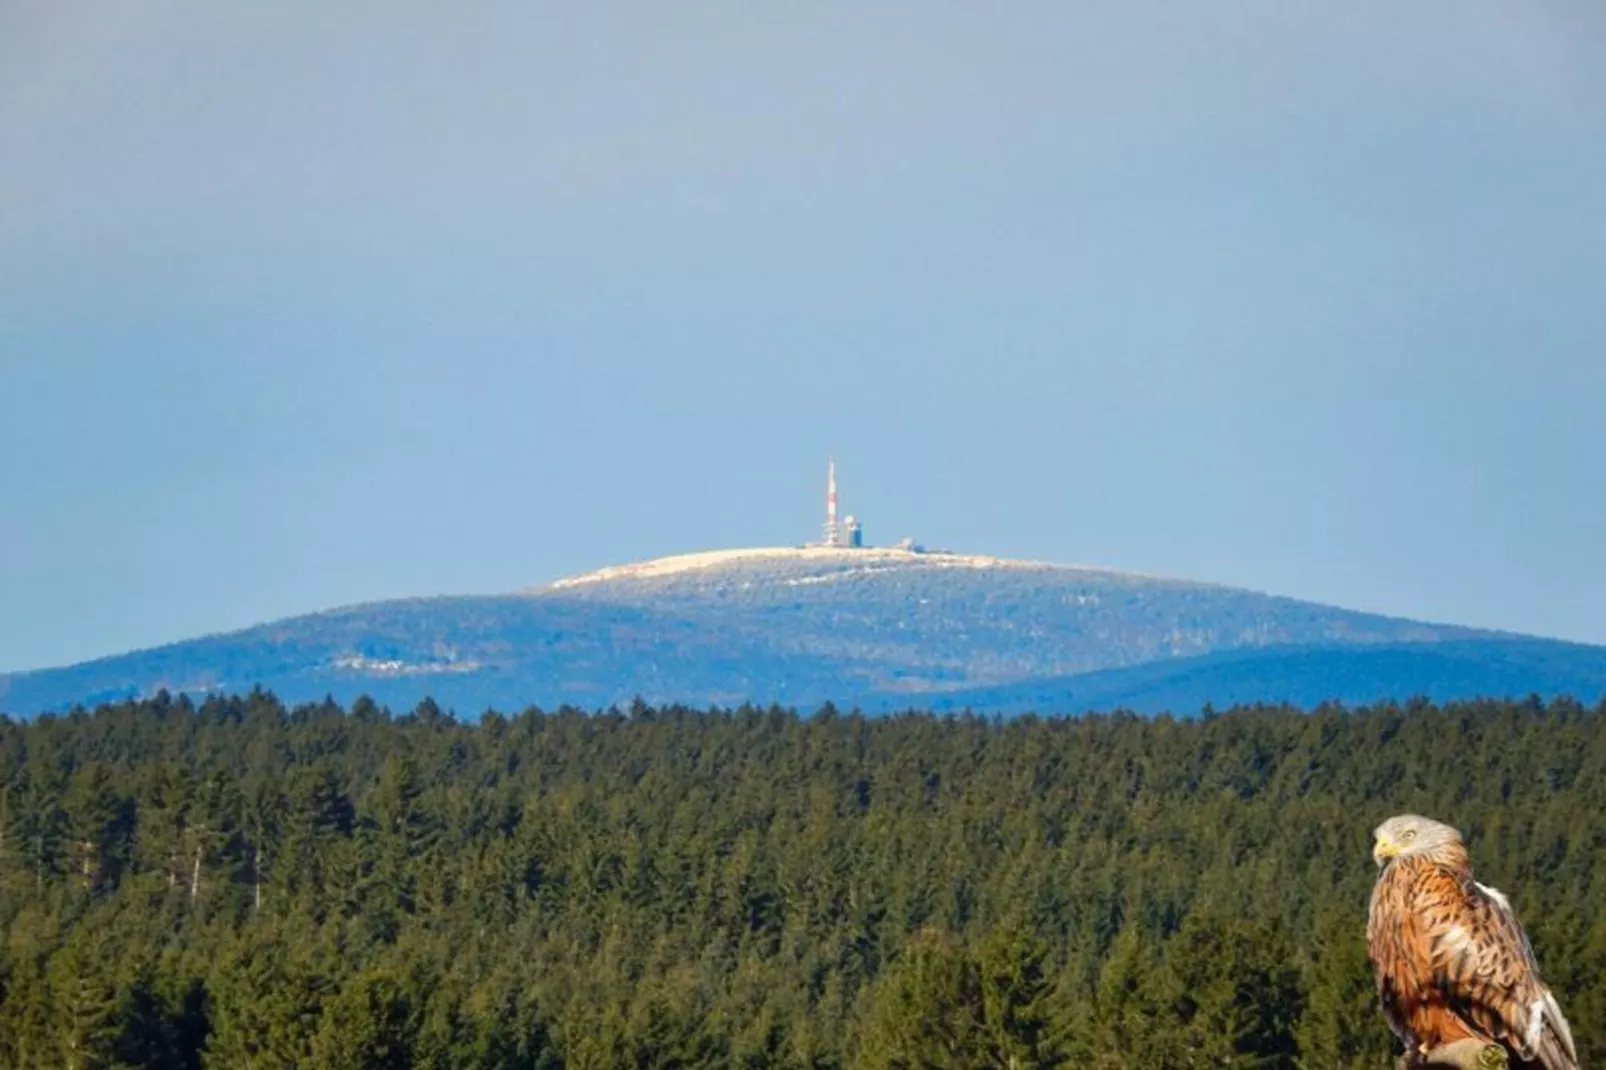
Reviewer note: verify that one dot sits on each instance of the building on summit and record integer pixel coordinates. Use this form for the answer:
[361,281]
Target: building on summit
[847,533]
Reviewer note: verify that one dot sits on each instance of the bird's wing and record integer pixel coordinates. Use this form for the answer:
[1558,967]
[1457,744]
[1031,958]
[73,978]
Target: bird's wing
[1481,958]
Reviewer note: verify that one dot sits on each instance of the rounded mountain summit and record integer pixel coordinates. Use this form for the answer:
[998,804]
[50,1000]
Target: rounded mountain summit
[875,629]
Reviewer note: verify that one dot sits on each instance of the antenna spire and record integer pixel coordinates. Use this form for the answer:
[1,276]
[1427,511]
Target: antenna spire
[833,533]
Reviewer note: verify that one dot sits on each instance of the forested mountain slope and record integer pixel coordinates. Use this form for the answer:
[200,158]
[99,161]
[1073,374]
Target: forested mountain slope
[1310,675]
[876,629]
[243,885]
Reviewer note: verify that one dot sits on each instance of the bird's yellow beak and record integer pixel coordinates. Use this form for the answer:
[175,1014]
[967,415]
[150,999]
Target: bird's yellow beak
[1384,849]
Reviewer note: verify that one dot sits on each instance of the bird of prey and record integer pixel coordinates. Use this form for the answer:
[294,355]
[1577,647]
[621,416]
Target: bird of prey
[1452,961]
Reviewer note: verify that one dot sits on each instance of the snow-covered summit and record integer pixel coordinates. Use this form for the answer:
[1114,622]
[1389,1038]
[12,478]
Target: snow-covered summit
[832,558]
[800,565]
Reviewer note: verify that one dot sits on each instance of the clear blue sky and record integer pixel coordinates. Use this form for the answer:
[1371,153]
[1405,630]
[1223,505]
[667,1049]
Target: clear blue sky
[305,303]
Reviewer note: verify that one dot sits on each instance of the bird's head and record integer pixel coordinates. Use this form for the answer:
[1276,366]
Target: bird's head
[1409,834]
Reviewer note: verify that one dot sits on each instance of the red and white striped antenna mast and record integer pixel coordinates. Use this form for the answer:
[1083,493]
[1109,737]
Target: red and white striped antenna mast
[833,533]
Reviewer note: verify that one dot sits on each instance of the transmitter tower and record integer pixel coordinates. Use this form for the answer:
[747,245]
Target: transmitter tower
[833,530]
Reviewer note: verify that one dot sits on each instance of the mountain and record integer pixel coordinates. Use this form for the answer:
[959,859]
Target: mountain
[876,628]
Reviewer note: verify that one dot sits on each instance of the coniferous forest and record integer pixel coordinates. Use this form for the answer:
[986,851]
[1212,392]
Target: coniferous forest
[240,885]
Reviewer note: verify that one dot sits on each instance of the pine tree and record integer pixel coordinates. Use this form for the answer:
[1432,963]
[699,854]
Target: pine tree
[1126,1018]
[318,822]
[262,815]
[407,834]
[211,840]
[1017,1000]
[266,1002]
[36,829]
[163,808]
[372,1023]
[86,1004]
[1231,993]
[14,870]
[927,1011]
[98,829]
[1341,1026]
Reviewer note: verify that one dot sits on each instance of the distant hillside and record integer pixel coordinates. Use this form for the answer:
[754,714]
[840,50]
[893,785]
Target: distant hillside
[881,629]
[1308,676]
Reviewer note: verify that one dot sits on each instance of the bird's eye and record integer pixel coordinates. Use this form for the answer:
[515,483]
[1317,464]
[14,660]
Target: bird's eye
[1410,834]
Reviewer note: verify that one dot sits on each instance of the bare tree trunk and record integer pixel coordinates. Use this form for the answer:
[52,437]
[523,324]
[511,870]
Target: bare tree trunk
[195,877]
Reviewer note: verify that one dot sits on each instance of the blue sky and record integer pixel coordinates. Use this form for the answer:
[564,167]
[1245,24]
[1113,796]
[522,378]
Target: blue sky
[306,304]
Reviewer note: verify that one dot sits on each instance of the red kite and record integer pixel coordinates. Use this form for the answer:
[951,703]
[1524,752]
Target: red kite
[1452,960]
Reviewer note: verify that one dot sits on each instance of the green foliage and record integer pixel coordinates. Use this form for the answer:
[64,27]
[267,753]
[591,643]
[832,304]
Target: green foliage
[241,885]
[85,1002]
[940,1005]
[1229,994]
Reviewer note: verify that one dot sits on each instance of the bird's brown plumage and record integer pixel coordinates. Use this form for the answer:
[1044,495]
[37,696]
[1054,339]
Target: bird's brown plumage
[1451,959]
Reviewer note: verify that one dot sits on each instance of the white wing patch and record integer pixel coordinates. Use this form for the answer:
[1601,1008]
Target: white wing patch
[1496,894]
[1536,1023]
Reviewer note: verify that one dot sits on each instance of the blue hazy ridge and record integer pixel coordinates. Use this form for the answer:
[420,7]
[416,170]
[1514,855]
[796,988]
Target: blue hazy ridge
[875,629]
[1309,676]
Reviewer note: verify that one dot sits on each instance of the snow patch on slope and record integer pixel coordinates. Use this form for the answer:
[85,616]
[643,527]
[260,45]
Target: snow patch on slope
[361,663]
